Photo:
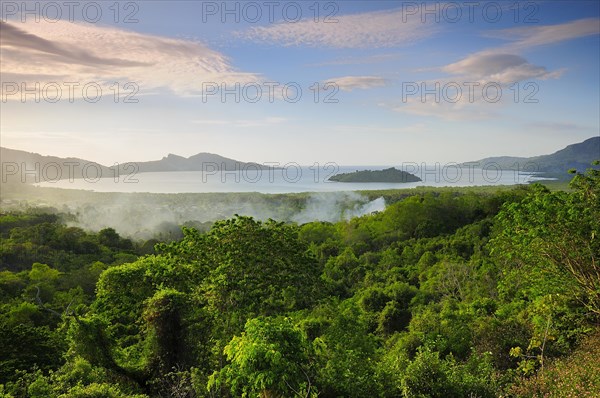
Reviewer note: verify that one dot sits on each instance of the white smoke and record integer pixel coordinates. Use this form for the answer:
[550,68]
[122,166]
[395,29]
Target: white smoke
[336,206]
[146,215]
[376,205]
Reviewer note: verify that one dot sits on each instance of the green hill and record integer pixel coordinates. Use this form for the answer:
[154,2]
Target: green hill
[576,156]
[388,175]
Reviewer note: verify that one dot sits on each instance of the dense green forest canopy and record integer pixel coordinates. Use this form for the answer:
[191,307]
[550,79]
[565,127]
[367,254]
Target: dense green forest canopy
[443,294]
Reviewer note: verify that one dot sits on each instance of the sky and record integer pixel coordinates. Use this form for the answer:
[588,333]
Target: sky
[350,82]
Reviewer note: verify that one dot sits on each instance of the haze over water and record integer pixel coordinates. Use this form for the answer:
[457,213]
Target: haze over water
[290,179]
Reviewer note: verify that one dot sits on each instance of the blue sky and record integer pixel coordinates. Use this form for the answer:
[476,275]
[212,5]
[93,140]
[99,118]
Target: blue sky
[370,63]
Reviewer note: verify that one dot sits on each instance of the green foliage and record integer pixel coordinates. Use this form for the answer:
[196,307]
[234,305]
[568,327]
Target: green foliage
[40,388]
[25,347]
[444,294]
[343,272]
[576,376]
[163,317]
[43,273]
[258,269]
[97,390]
[394,318]
[554,235]
[270,358]
[346,352]
[31,237]
[426,376]
[148,332]
[430,376]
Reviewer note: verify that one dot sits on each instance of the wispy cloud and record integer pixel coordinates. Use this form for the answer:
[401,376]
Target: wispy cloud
[74,52]
[504,64]
[501,66]
[498,68]
[375,29]
[533,36]
[349,83]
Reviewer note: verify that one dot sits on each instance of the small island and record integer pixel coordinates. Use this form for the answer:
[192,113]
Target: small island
[388,175]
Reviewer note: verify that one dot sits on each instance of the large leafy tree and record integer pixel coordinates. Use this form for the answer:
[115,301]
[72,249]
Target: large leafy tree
[271,358]
[142,321]
[203,287]
[257,269]
[554,237]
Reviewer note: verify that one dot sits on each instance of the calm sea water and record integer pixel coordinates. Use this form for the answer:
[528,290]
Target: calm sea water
[290,179]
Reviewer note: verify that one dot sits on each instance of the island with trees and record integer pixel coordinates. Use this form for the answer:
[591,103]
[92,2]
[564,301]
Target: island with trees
[388,175]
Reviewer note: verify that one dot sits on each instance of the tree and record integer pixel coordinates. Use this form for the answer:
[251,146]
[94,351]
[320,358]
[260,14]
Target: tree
[557,234]
[142,321]
[271,358]
[257,269]
[346,352]
[24,347]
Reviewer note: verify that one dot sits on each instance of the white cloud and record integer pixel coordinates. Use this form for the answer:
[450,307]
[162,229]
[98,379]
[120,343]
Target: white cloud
[504,64]
[533,36]
[499,68]
[64,52]
[349,83]
[375,29]
[457,98]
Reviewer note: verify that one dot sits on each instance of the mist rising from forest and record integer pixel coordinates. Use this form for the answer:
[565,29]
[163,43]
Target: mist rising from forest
[144,219]
[336,206]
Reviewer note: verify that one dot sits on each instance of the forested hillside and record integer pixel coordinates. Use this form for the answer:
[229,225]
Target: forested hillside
[576,156]
[443,294]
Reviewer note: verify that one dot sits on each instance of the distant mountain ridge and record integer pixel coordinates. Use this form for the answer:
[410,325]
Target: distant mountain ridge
[577,156]
[22,166]
[30,167]
[202,161]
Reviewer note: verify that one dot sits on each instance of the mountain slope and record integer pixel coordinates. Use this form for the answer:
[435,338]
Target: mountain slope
[21,166]
[576,156]
[200,162]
